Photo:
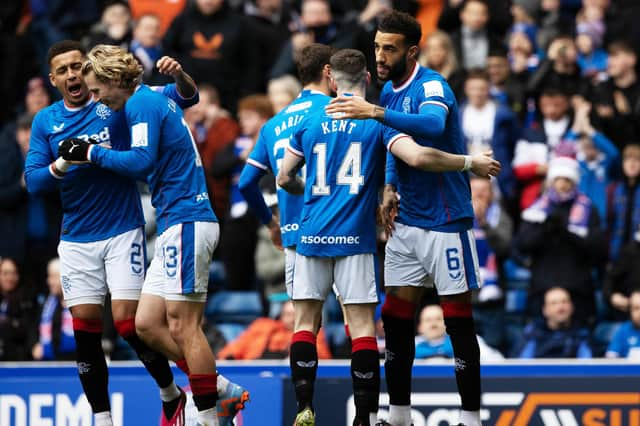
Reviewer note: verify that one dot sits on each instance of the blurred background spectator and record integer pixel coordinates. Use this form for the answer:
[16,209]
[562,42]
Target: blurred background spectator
[626,340]
[17,321]
[555,334]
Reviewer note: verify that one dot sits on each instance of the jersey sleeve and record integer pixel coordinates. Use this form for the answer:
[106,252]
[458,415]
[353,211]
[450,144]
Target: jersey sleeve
[39,176]
[295,142]
[390,136]
[259,156]
[171,91]
[250,189]
[434,93]
[144,122]
[390,174]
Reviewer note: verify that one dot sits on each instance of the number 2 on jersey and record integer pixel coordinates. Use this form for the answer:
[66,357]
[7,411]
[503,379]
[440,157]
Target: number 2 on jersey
[349,173]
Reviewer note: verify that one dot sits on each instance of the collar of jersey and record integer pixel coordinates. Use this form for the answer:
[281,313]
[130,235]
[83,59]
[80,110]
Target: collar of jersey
[408,81]
[307,92]
[74,109]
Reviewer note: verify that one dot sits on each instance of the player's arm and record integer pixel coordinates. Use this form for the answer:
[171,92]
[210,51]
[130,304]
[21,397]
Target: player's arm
[429,122]
[288,178]
[434,160]
[184,91]
[248,186]
[138,162]
[42,172]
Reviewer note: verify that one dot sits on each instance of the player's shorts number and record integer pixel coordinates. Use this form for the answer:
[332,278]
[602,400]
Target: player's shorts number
[349,173]
[453,260]
[170,255]
[136,258]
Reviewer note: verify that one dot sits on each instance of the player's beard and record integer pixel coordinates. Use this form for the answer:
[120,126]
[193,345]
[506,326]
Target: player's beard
[396,71]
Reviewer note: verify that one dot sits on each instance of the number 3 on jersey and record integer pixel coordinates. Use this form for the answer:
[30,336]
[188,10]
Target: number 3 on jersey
[349,173]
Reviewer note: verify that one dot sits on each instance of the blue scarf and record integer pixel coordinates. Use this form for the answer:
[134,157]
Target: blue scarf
[67,342]
[578,215]
[486,256]
[148,56]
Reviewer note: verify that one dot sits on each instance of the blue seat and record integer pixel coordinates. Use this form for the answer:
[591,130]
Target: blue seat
[241,307]
[331,311]
[231,331]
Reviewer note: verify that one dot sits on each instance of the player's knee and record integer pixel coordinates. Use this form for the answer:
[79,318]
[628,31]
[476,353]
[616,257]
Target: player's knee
[458,318]
[125,327]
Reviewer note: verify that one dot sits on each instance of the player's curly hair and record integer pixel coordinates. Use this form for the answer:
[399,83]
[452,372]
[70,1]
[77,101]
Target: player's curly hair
[113,64]
[396,22]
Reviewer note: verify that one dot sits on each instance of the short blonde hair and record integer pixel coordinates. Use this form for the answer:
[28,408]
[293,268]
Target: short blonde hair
[113,64]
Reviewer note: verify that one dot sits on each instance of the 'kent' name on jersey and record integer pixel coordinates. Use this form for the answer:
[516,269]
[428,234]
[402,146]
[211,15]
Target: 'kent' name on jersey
[333,126]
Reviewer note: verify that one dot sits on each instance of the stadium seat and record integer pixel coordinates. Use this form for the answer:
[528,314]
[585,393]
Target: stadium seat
[241,307]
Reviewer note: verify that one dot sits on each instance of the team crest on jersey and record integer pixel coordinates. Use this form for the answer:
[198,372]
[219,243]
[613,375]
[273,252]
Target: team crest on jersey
[406,105]
[103,111]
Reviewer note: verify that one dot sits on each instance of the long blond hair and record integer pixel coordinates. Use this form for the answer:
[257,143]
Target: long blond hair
[450,63]
[113,64]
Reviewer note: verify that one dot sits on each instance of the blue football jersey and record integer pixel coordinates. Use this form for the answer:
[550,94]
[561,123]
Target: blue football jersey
[345,166]
[97,204]
[162,148]
[269,152]
[437,201]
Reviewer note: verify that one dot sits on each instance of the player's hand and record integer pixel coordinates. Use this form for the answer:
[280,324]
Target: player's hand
[620,302]
[388,210]
[169,66]
[275,233]
[484,165]
[74,149]
[350,107]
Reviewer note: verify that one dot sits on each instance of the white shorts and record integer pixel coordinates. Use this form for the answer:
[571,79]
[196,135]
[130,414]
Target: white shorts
[289,266]
[115,265]
[180,267]
[421,258]
[354,278]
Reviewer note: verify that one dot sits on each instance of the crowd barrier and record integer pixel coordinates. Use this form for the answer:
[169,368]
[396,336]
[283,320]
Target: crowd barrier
[554,393]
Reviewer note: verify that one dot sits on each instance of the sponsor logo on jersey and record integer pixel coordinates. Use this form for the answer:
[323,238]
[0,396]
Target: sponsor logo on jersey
[103,111]
[103,136]
[58,129]
[289,227]
[330,239]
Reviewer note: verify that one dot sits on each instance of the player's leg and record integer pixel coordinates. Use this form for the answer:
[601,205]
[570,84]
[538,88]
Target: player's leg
[187,250]
[84,289]
[125,261]
[312,281]
[404,278]
[153,328]
[355,281]
[456,274]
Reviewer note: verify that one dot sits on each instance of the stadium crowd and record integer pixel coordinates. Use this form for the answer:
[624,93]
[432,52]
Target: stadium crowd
[551,86]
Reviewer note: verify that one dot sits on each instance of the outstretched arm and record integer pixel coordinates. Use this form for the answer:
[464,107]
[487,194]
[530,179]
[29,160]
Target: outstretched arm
[434,160]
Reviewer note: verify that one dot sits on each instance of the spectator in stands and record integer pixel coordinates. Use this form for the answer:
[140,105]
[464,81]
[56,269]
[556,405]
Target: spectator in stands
[165,10]
[16,314]
[534,149]
[114,27]
[439,55]
[55,338]
[492,228]
[239,233]
[561,234]
[523,50]
[623,278]
[37,96]
[213,129]
[555,335]
[317,25]
[506,88]
[282,91]
[592,58]
[499,18]
[598,158]
[146,46]
[268,338]
[218,47]
[487,124]
[432,340]
[559,70]
[616,100]
[29,224]
[626,340]
[624,201]
[474,39]
[273,21]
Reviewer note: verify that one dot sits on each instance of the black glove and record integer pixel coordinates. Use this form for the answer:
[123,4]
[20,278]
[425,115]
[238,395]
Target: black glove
[74,149]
